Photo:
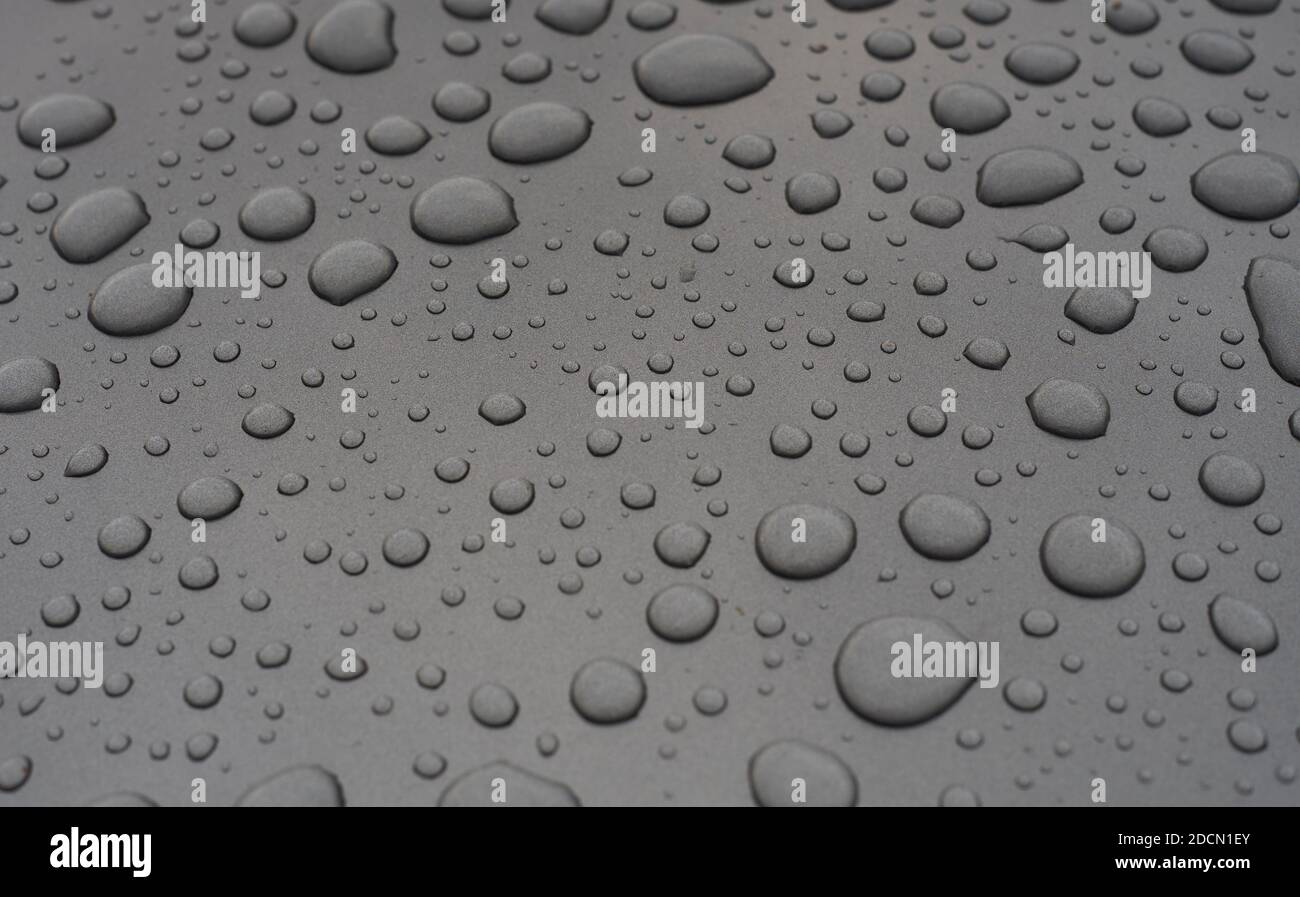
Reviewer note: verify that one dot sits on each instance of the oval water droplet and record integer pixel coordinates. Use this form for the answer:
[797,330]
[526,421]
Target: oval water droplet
[128,304]
[97,223]
[74,118]
[698,69]
[350,269]
[463,210]
[538,132]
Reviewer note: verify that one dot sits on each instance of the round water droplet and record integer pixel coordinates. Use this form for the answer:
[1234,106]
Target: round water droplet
[682,613]
[864,671]
[944,527]
[607,691]
[829,538]
[1073,561]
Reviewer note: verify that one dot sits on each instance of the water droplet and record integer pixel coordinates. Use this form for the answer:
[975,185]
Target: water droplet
[830,538]
[698,69]
[463,210]
[128,304]
[350,269]
[97,223]
[867,684]
[1077,564]
[538,132]
[354,37]
[944,527]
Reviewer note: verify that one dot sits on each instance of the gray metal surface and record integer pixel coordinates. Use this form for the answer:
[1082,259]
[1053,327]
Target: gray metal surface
[584,587]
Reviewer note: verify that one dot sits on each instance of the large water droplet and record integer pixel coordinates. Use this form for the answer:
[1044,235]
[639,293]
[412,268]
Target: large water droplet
[350,269]
[538,132]
[463,210]
[1091,569]
[1026,176]
[74,118]
[863,672]
[128,304]
[830,537]
[97,223]
[355,36]
[1070,409]
[1272,288]
[696,69]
